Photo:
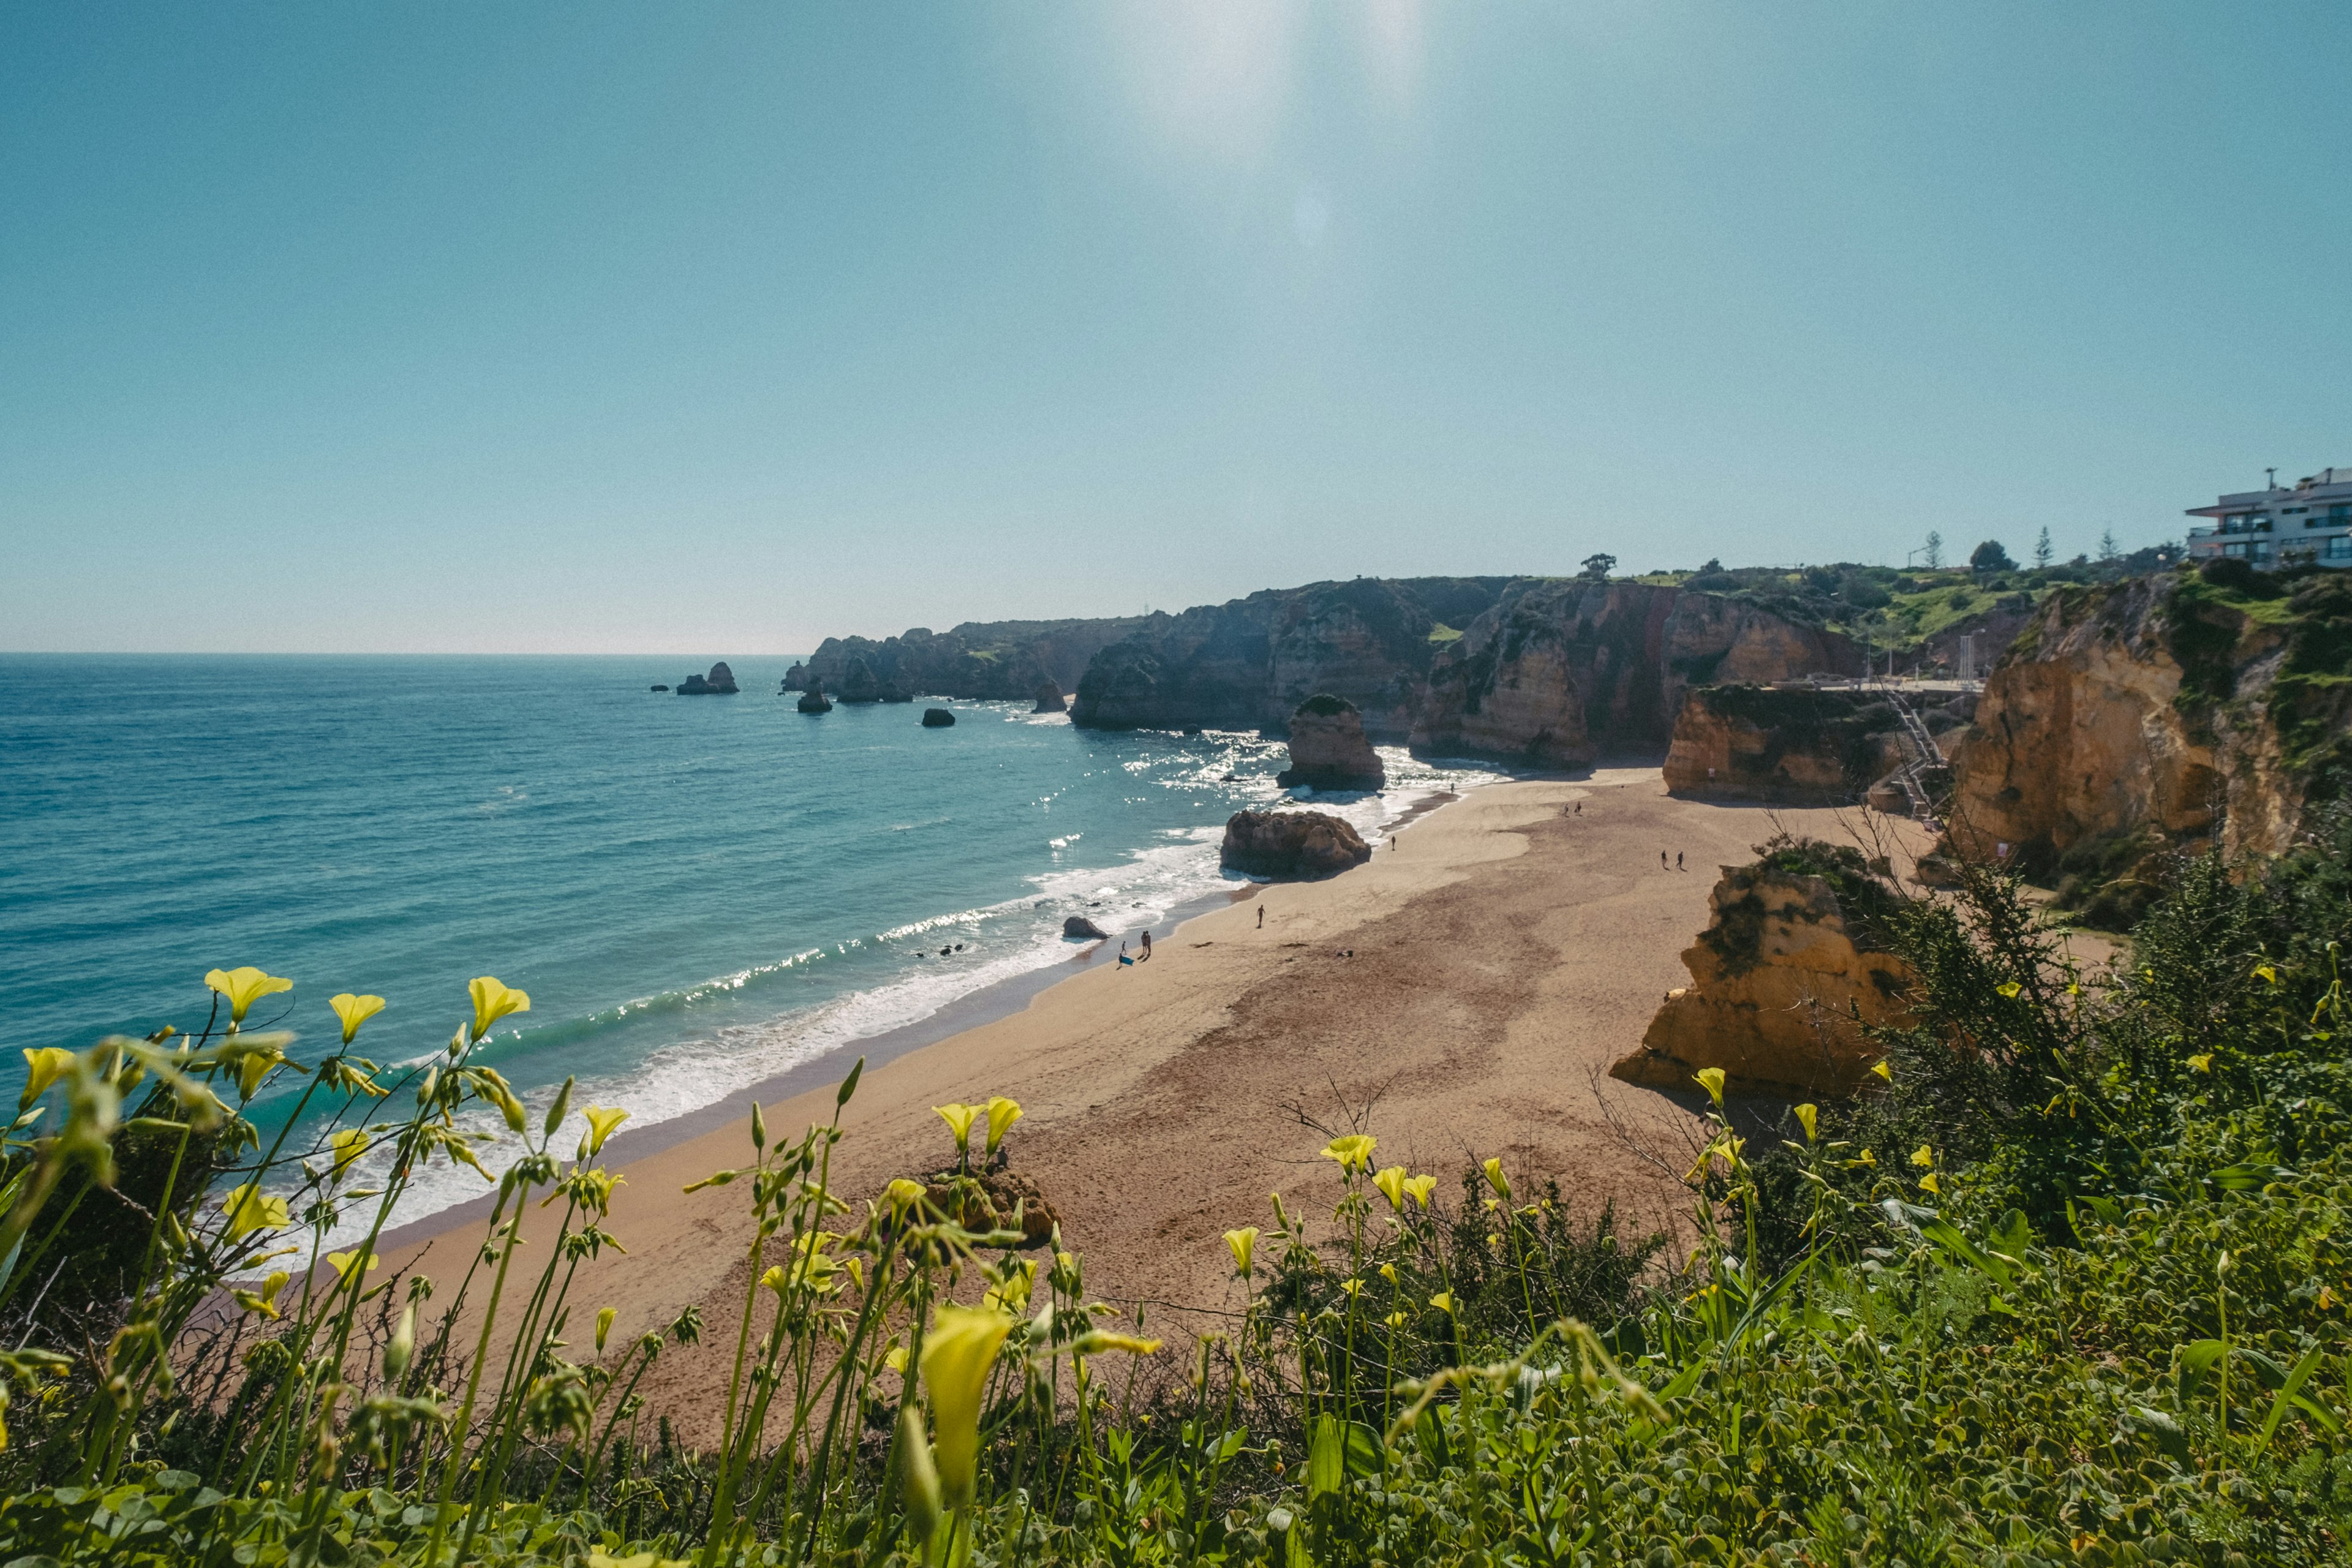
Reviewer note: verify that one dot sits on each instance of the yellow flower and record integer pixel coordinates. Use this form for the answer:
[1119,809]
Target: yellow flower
[1806,1114]
[598,1557]
[1928,1183]
[244,987]
[958,1353]
[1010,1294]
[1396,1320]
[1389,1273]
[249,1211]
[1097,1341]
[493,1001]
[1496,1180]
[1923,1157]
[1352,1286]
[1391,1183]
[2009,989]
[1421,1187]
[1353,1151]
[601,1120]
[1241,1243]
[959,1118]
[1711,1080]
[2267,972]
[348,1145]
[354,1011]
[895,1358]
[1867,1158]
[43,1067]
[2202,1061]
[900,1195]
[1884,1069]
[1001,1114]
[604,1316]
[1443,1301]
[345,1262]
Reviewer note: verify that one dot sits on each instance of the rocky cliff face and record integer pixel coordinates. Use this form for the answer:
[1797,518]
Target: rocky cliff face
[979,661]
[1777,981]
[2159,711]
[1558,673]
[1789,747]
[1248,663]
[1327,748]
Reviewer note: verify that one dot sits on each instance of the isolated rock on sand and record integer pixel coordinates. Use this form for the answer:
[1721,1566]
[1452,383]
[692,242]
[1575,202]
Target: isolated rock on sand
[938,719]
[1777,978]
[813,701]
[720,682]
[1079,926]
[1327,748]
[1050,701]
[992,1207]
[1292,844]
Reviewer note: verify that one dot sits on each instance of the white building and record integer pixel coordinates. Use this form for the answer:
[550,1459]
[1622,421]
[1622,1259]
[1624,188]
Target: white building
[2269,527]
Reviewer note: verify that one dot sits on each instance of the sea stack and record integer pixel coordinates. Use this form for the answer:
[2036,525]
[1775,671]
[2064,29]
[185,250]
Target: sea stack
[813,701]
[720,682]
[1050,699]
[1327,748]
[938,719]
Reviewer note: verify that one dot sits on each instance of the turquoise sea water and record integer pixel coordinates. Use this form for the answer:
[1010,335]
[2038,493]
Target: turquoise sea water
[697,892]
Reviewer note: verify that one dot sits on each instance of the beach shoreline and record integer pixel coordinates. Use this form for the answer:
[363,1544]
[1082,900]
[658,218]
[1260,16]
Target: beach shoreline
[1461,996]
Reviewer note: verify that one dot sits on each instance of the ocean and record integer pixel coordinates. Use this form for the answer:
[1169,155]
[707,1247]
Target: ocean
[698,893]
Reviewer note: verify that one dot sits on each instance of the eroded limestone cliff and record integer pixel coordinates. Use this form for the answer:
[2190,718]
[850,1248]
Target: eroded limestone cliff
[1796,745]
[978,661]
[1786,973]
[1559,673]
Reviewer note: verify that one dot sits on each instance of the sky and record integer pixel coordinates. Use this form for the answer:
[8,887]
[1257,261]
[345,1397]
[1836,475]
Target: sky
[715,329]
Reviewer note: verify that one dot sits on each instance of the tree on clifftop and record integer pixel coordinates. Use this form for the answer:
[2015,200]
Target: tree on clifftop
[1597,567]
[1991,556]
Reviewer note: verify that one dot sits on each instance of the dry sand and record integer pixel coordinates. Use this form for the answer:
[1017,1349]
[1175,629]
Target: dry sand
[1506,950]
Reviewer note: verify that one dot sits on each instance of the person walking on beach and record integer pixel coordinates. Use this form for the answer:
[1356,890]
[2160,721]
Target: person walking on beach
[1147,944]
[1261,917]
[1678,859]
[1662,859]
[1579,808]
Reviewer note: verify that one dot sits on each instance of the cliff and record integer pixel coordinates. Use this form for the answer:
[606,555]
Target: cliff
[979,661]
[2167,711]
[1249,663]
[1791,747]
[1788,970]
[1558,672]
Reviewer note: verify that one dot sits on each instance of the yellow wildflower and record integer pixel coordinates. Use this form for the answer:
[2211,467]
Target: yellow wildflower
[354,1011]
[1354,1151]
[244,987]
[493,1001]
[958,1354]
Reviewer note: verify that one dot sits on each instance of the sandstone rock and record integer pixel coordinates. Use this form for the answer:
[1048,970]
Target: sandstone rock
[1796,746]
[1079,926]
[1776,979]
[996,661]
[1049,700]
[1558,673]
[1000,1196]
[938,719]
[1292,844]
[813,701]
[1327,748]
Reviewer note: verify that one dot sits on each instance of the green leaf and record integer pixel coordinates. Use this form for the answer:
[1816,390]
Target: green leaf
[2287,1393]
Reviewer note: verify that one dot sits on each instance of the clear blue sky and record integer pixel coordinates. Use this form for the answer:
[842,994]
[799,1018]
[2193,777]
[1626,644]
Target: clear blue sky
[715,329]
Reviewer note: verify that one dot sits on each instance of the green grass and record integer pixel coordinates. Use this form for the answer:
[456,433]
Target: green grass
[1441,632]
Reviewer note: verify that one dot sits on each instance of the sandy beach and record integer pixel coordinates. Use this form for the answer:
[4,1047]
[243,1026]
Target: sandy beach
[1506,948]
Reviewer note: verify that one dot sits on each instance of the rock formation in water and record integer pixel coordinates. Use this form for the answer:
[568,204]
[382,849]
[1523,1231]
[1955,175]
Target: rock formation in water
[1291,844]
[720,682]
[2157,713]
[813,701]
[1248,663]
[860,683]
[994,660]
[796,677]
[1327,748]
[1787,745]
[1079,926]
[1788,960]
[1559,673]
[938,719]
[1049,700]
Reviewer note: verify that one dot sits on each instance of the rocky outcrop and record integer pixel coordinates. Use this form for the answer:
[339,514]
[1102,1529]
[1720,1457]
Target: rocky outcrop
[2162,711]
[1559,673]
[813,701]
[720,682]
[1079,926]
[795,678]
[1049,700]
[661,688]
[1291,844]
[991,660]
[1327,748]
[938,719]
[1784,977]
[1248,663]
[1786,746]
[995,1200]
[860,683]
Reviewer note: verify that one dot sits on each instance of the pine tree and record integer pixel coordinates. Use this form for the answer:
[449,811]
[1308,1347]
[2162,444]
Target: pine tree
[2108,551]
[2041,547]
[1935,549]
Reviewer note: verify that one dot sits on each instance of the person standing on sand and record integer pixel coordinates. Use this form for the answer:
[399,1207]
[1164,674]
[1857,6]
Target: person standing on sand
[1147,944]
[1678,859]
[1261,917]
[1662,859]
[1579,808]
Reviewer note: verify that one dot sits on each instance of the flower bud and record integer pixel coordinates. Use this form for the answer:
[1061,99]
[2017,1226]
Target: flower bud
[919,1477]
[398,1355]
